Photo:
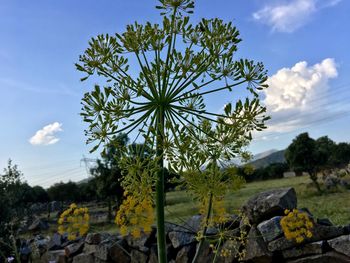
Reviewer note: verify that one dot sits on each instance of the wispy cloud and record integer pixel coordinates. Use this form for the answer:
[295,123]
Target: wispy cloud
[60,88]
[46,135]
[290,16]
[299,96]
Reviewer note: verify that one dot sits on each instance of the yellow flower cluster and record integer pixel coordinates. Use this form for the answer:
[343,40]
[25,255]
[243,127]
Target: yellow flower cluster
[135,215]
[219,214]
[74,221]
[296,225]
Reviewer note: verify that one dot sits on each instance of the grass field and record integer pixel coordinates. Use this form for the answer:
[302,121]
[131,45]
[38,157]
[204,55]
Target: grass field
[332,205]
[180,205]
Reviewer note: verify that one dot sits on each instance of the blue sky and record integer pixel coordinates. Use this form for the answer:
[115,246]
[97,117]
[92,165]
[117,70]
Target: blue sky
[303,44]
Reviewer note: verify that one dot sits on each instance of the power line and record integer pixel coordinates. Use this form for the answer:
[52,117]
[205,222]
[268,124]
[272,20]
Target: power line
[319,121]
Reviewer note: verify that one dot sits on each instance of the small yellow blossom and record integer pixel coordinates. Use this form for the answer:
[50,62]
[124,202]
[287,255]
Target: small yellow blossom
[134,215]
[296,225]
[74,221]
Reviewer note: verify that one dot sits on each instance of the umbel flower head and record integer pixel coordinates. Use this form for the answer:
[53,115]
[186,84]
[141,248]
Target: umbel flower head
[136,213]
[155,80]
[179,66]
[74,221]
[296,225]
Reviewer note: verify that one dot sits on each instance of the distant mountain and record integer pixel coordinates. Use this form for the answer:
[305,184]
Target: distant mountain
[86,180]
[261,159]
[269,157]
[263,154]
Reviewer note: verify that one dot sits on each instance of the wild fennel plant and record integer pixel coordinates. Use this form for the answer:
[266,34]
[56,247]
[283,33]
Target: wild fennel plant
[174,67]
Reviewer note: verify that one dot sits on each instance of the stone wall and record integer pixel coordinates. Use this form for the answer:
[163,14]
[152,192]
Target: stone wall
[265,241]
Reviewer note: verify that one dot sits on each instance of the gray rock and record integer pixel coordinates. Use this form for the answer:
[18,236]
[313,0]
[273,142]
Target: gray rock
[305,250]
[332,181]
[54,206]
[153,256]
[193,224]
[271,229]
[256,249]
[324,222]
[143,242]
[55,242]
[206,254]
[83,258]
[90,249]
[74,249]
[38,225]
[319,232]
[93,238]
[347,230]
[233,222]
[118,253]
[41,243]
[280,244]
[185,254]
[55,256]
[102,250]
[25,251]
[179,238]
[329,257]
[341,244]
[270,203]
[138,256]
[228,252]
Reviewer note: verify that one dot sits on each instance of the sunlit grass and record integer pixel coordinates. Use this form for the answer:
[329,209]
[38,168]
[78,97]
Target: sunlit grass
[334,206]
[180,205]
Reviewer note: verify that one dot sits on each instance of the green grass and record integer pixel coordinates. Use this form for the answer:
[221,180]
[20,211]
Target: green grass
[180,205]
[334,205]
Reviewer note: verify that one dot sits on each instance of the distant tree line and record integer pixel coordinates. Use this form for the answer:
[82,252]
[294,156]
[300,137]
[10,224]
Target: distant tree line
[271,171]
[304,154]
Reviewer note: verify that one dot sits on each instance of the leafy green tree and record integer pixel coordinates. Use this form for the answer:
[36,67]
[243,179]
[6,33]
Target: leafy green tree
[17,192]
[108,174]
[64,192]
[88,191]
[323,151]
[178,65]
[302,155]
[340,155]
[40,195]
[13,198]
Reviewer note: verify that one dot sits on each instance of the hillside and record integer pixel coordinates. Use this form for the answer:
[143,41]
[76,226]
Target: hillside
[275,157]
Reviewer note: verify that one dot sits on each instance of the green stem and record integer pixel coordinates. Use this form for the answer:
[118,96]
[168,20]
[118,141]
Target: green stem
[217,250]
[204,232]
[160,188]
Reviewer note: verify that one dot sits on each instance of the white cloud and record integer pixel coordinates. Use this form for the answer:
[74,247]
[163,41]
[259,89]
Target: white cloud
[291,15]
[299,95]
[46,135]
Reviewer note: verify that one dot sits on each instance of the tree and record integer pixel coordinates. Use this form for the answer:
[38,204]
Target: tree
[40,195]
[179,64]
[13,196]
[323,150]
[302,155]
[64,192]
[107,173]
[88,190]
[340,155]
